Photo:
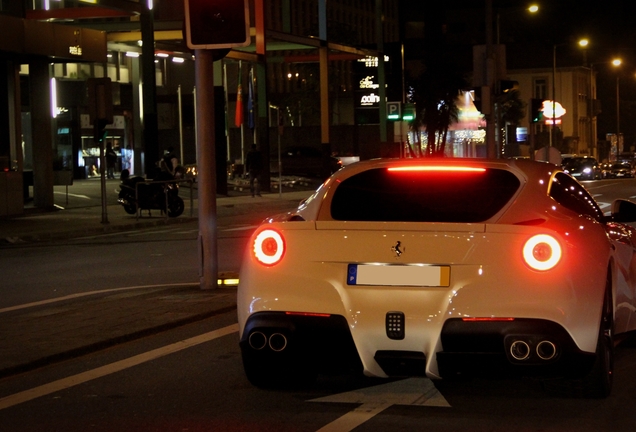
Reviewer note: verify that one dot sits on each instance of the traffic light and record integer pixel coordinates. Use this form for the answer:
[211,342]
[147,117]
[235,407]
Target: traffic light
[536,110]
[215,24]
[505,86]
[409,112]
[99,131]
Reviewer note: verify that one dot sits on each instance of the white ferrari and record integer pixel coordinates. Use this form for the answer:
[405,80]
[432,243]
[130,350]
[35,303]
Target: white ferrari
[441,268]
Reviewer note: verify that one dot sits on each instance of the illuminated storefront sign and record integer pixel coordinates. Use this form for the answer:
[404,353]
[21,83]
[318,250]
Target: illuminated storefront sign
[367,83]
[372,61]
[75,50]
[368,100]
[552,112]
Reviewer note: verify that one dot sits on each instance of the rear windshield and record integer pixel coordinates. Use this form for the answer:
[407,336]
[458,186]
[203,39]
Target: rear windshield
[423,196]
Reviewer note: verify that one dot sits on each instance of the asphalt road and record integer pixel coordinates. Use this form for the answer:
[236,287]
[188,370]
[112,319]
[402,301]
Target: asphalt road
[191,378]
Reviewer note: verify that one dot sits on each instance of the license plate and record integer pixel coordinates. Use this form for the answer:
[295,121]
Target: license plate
[398,275]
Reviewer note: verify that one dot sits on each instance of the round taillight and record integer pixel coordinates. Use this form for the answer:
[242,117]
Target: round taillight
[542,252]
[269,247]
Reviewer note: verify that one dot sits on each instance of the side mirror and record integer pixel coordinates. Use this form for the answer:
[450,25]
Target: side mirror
[623,211]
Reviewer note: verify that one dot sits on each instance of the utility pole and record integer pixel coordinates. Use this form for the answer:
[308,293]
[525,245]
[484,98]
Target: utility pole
[491,150]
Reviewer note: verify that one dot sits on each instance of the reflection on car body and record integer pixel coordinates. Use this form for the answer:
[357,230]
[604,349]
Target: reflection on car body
[441,268]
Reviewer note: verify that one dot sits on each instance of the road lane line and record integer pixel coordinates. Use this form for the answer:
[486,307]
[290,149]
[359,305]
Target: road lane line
[242,228]
[73,195]
[90,293]
[355,418]
[65,383]
[373,400]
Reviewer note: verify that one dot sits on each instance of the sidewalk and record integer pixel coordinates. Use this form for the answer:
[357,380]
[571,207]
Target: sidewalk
[91,219]
[45,332]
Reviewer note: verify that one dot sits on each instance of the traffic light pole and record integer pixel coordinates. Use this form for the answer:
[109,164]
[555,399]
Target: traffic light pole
[206,161]
[491,147]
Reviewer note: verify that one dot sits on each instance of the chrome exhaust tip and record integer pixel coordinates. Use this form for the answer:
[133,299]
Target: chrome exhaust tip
[257,340]
[520,350]
[546,350]
[277,342]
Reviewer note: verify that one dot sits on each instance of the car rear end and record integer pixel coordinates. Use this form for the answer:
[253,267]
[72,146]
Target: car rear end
[422,269]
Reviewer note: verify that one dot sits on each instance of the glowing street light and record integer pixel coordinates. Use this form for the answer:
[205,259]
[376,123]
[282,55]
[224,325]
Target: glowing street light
[616,63]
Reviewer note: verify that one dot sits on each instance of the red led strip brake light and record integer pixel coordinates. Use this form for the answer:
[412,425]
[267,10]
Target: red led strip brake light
[438,168]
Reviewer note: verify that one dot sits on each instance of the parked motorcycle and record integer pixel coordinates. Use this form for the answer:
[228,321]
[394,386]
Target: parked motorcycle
[135,193]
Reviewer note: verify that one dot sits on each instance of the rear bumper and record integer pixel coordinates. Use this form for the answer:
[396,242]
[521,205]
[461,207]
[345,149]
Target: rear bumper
[520,347]
[321,343]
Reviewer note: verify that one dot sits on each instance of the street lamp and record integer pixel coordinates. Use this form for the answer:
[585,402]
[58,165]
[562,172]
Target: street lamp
[583,43]
[532,9]
[616,63]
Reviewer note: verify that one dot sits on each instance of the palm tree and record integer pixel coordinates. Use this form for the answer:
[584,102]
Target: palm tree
[435,93]
[511,110]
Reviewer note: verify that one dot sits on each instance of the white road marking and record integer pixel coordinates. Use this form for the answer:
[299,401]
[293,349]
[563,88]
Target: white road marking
[112,368]
[151,232]
[374,400]
[73,195]
[99,236]
[242,228]
[89,293]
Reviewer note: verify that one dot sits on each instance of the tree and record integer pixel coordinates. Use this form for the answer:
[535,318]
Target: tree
[435,94]
[511,111]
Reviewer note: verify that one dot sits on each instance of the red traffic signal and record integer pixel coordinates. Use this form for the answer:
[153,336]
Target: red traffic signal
[214,24]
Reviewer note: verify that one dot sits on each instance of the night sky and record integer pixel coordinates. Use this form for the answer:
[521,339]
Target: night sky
[610,26]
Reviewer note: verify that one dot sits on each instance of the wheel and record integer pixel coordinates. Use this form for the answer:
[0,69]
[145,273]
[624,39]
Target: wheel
[598,381]
[130,209]
[175,206]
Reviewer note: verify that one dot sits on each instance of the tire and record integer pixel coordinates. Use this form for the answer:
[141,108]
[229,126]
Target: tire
[127,198]
[175,206]
[597,383]
[130,209]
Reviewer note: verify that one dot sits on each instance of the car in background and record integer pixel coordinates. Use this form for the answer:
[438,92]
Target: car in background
[441,268]
[582,167]
[606,170]
[304,161]
[622,170]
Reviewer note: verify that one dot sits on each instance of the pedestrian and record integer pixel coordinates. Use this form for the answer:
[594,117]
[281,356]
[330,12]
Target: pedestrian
[111,161]
[254,166]
[170,160]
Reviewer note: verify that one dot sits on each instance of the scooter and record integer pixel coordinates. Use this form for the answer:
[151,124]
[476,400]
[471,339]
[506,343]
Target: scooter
[135,194]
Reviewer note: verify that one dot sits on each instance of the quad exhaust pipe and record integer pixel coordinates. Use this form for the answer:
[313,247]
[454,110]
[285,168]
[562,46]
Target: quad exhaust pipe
[521,350]
[546,350]
[258,340]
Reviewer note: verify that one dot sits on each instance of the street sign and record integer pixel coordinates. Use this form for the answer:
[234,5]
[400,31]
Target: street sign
[394,110]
